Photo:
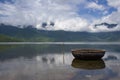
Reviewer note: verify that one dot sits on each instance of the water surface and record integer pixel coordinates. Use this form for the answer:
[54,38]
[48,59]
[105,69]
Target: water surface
[55,62]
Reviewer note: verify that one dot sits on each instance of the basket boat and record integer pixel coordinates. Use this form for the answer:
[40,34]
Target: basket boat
[88,54]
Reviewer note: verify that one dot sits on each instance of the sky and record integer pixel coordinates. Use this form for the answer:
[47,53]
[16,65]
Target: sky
[67,15]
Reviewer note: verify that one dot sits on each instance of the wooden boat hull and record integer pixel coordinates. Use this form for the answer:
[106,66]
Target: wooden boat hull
[88,54]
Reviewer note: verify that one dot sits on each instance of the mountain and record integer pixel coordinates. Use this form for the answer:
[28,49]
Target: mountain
[29,33]
[106,24]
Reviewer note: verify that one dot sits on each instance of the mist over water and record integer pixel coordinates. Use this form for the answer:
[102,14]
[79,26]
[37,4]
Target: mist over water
[55,62]
[62,43]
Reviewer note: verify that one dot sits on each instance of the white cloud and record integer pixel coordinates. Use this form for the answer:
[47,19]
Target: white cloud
[94,5]
[63,12]
[72,24]
[34,12]
[75,24]
[112,18]
[114,3]
[103,29]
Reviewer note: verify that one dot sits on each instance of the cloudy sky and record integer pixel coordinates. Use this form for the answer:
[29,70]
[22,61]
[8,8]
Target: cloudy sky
[68,15]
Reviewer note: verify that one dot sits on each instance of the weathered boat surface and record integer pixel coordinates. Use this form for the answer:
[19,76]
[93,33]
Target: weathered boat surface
[89,54]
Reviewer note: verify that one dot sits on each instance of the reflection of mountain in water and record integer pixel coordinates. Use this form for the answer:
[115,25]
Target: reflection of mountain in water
[30,51]
[50,60]
[56,59]
[110,57]
[88,64]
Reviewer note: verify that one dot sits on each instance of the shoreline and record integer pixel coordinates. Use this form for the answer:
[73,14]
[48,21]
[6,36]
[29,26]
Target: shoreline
[64,43]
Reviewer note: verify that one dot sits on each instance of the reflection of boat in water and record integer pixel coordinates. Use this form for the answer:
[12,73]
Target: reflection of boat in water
[88,64]
[90,54]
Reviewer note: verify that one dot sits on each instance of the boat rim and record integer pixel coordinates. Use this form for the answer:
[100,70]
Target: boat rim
[88,50]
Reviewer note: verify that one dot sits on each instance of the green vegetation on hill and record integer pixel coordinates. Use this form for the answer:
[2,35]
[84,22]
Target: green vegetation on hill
[4,38]
[13,33]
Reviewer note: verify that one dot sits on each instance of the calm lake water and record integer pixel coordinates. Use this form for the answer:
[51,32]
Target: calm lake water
[47,61]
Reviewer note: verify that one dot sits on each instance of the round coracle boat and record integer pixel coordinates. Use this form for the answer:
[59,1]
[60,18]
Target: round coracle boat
[88,54]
